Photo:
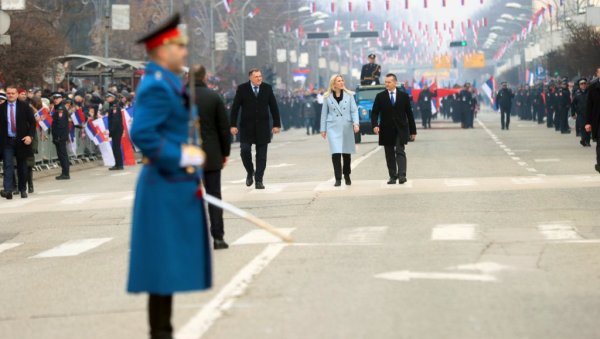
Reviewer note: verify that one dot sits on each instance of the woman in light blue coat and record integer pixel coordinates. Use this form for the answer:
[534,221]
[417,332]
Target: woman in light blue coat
[339,123]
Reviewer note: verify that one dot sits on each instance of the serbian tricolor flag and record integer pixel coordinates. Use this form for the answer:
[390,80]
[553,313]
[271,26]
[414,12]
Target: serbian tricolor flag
[78,117]
[45,119]
[489,88]
[93,133]
[126,145]
[72,140]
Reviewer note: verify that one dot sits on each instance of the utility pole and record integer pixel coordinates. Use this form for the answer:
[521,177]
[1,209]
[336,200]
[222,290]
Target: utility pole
[243,14]
[212,35]
[106,26]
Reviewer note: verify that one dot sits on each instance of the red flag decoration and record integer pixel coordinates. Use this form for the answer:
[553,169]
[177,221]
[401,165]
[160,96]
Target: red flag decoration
[349,6]
[313,7]
[469,23]
[127,145]
[462,2]
[254,13]
[227,5]
[369,6]
[485,22]
[333,7]
[406,4]
[425,3]
[443,3]
[387,5]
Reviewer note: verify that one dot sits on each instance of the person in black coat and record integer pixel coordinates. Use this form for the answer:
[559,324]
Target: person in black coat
[592,116]
[392,119]
[115,128]
[504,100]
[424,104]
[257,103]
[60,134]
[216,143]
[17,129]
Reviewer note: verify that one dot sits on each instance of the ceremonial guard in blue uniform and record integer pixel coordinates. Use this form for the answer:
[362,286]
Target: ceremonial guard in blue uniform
[169,243]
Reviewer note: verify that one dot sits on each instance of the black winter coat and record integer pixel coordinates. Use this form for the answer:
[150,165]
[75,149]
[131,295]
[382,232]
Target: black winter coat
[254,124]
[393,120]
[214,127]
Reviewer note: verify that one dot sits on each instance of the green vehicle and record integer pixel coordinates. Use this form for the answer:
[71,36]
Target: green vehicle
[365,97]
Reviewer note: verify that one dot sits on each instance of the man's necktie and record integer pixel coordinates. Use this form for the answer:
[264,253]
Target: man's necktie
[255,91]
[13,124]
[392,98]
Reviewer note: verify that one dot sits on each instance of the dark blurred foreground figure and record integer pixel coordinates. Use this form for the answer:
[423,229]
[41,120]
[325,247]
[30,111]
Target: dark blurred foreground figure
[216,142]
[592,116]
[170,249]
[504,100]
[580,96]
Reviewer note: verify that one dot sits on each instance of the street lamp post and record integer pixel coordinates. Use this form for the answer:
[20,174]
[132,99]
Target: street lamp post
[243,34]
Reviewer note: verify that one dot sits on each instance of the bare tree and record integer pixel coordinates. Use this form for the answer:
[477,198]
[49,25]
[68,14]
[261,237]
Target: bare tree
[35,41]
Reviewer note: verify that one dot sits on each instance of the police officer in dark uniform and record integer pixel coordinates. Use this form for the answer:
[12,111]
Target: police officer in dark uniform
[370,72]
[564,104]
[551,104]
[60,134]
[115,128]
[504,100]
[424,105]
[465,99]
[580,97]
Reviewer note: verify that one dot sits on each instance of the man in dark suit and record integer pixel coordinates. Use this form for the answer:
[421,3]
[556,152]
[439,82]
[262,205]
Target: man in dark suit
[256,101]
[216,143]
[392,119]
[17,128]
[592,115]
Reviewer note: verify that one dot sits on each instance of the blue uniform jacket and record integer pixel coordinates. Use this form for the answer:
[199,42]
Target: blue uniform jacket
[169,240]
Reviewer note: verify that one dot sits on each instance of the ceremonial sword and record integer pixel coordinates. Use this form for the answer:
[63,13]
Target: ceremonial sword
[194,138]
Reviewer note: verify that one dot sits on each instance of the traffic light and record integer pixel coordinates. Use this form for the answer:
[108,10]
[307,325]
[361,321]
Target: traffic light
[458,44]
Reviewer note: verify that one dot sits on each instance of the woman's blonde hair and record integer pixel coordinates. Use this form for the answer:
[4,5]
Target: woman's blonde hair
[332,84]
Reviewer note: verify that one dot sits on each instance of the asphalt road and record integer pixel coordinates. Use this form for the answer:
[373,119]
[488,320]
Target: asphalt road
[496,235]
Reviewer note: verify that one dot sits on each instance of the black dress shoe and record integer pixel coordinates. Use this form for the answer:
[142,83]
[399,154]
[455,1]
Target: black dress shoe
[23,194]
[582,143]
[402,181]
[8,195]
[338,183]
[116,168]
[63,177]
[30,190]
[598,168]
[220,244]
[392,181]
[249,180]
[347,180]
[259,185]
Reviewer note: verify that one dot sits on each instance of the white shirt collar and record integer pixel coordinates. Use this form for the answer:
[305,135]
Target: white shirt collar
[394,92]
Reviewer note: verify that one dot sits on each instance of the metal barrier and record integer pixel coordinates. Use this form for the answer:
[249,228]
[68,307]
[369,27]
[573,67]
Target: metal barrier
[46,157]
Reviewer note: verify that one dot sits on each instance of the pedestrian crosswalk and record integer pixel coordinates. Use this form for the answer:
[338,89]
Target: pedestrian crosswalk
[550,232]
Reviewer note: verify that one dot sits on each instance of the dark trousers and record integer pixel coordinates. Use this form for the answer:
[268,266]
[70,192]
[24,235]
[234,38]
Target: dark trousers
[564,121]
[540,115]
[116,147]
[212,183]
[426,117]
[505,119]
[9,152]
[160,308]
[550,118]
[395,157]
[63,157]
[261,160]
[338,169]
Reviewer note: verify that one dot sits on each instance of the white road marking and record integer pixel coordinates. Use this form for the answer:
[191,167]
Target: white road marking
[408,276]
[531,169]
[522,163]
[122,174]
[510,153]
[527,180]
[78,199]
[454,232]
[516,158]
[281,165]
[558,231]
[362,235]
[483,267]
[9,245]
[261,237]
[49,191]
[546,160]
[18,203]
[200,323]
[270,189]
[358,161]
[128,197]
[459,182]
[241,181]
[72,248]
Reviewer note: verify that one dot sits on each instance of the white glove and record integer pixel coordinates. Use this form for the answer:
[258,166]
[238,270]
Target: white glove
[191,156]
